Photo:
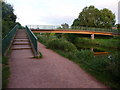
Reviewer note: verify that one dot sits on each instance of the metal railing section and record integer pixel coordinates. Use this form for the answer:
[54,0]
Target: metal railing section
[94,29]
[6,41]
[43,26]
[33,40]
[55,27]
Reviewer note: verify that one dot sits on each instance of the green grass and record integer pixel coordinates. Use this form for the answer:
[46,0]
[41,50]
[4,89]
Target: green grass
[107,43]
[5,72]
[104,69]
[5,76]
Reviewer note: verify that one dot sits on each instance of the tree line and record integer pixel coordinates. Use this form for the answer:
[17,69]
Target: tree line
[8,18]
[93,17]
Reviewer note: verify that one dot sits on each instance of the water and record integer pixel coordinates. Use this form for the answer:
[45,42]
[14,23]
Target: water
[97,50]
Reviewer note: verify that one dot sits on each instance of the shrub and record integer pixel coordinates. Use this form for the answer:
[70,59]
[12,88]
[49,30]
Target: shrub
[85,54]
[114,66]
[42,39]
[61,44]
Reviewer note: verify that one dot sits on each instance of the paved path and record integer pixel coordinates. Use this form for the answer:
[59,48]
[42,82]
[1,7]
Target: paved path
[52,71]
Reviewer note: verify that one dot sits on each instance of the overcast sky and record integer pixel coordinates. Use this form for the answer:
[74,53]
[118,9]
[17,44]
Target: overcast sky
[56,12]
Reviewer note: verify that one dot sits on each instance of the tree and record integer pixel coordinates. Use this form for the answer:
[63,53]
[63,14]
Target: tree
[93,17]
[107,18]
[118,27]
[76,22]
[65,26]
[8,18]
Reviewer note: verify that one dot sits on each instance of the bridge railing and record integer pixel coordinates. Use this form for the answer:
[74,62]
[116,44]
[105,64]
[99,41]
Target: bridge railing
[55,27]
[43,26]
[33,40]
[7,40]
[94,29]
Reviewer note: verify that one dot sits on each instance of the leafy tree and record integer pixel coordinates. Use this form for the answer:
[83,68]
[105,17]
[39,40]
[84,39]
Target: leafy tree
[107,18]
[8,18]
[118,26]
[76,22]
[65,26]
[93,17]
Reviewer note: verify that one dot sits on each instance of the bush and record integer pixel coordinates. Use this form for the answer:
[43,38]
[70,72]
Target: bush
[114,67]
[42,39]
[61,44]
[85,54]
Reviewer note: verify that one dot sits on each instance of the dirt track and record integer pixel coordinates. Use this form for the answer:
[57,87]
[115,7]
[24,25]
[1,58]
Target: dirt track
[52,71]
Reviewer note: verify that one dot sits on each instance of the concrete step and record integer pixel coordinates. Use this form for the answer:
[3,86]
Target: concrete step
[20,47]
[21,37]
[21,43]
[21,40]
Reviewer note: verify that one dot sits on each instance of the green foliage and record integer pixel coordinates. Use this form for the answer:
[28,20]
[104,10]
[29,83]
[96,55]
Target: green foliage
[5,76]
[8,18]
[43,39]
[114,66]
[61,44]
[92,17]
[108,43]
[70,37]
[85,54]
[65,26]
[4,60]
[107,18]
[5,72]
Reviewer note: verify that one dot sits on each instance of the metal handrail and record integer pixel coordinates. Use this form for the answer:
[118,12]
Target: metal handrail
[33,40]
[7,40]
[55,27]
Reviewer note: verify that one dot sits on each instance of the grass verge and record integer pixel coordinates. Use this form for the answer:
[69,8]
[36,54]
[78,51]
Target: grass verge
[5,71]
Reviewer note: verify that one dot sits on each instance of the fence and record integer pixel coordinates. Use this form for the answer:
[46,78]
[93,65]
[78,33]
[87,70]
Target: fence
[33,40]
[6,41]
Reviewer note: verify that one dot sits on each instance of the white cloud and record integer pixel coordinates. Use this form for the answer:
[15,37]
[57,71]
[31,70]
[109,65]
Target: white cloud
[55,11]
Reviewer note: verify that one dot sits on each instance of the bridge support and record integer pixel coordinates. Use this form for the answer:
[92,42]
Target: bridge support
[91,49]
[92,36]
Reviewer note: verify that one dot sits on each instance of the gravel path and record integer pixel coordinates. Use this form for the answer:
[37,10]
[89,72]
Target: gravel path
[52,71]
